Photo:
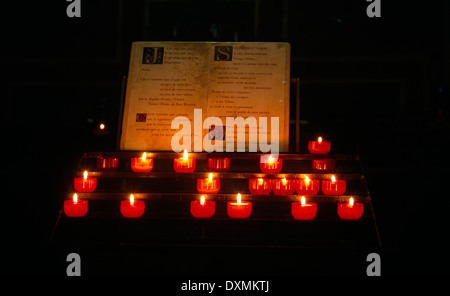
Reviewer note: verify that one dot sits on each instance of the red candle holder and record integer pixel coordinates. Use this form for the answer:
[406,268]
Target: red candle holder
[75,207]
[270,165]
[333,186]
[238,209]
[107,164]
[132,208]
[323,165]
[142,164]
[85,183]
[208,185]
[350,210]
[184,164]
[319,147]
[303,210]
[283,186]
[260,186]
[219,164]
[203,208]
[307,186]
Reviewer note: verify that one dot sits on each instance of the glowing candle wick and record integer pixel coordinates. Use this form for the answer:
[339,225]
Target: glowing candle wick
[144,156]
[302,201]
[350,203]
[185,155]
[333,178]
[202,200]
[319,140]
[210,177]
[239,198]
[85,175]
[131,199]
[307,180]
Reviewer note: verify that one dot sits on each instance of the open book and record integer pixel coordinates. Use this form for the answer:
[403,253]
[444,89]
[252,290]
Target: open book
[185,95]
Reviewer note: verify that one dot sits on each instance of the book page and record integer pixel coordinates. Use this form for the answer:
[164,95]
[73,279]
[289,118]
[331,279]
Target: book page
[173,81]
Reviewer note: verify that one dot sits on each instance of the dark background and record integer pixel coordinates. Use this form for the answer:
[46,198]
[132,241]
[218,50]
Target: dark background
[373,86]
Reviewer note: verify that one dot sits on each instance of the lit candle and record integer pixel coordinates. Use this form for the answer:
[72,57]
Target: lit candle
[219,164]
[85,183]
[270,165]
[260,186]
[208,185]
[107,163]
[142,164]
[319,147]
[303,210]
[350,210]
[75,207]
[132,208]
[203,208]
[307,186]
[184,164]
[333,186]
[283,186]
[323,165]
[239,209]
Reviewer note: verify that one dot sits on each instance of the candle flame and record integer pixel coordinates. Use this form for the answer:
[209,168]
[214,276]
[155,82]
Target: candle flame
[284,181]
[185,155]
[333,178]
[302,201]
[144,156]
[270,159]
[202,200]
[319,139]
[210,177]
[350,202]
[102,126]
[131,199]
[85,175]
[75,198]
[239,198]
[260,181]
[307,179]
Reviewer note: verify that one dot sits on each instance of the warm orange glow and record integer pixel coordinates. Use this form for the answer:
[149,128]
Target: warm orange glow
[75,198]
[202,200]
[102,126]
[131,199]
[210,177]
[85,175]
[260,181]
[284,181]
[238,198]
[144,156]
[185,155]
[302,201]
[270,159]
[350,202]
[319,139]
[333,178]
[307,179]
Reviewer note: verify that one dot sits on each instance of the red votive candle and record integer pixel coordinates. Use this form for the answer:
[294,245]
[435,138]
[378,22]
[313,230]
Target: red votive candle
[75,207]
[142,164]
[85,183]
[184,164]
[303,210]
[208,185]
[219,164]
[350,210]
[260,186]
[307,186]
[132,208]
[323,165]
[319,147]
[283,186]
[270,165]
[333,186]
[107,164]
[238,209]
[203,208]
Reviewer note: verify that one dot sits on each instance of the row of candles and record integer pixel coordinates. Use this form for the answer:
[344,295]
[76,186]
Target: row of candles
[257,186]
[202,208]
[186,164]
